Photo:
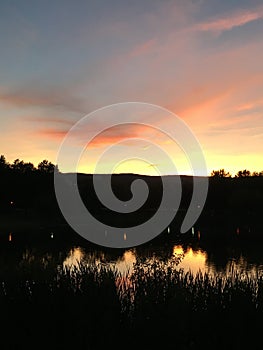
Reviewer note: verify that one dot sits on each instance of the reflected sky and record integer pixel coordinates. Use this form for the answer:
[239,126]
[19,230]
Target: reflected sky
[211,257]
[193,260]
[124,264]
[74,257]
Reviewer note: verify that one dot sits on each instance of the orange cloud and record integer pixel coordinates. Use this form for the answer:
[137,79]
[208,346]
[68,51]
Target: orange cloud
[52,133]
[109,136]
[121,133]
[220,86]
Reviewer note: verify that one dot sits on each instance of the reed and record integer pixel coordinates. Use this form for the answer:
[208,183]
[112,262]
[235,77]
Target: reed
[95,305]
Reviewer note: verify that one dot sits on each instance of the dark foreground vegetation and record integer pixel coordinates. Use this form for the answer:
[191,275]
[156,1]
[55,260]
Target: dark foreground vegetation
[154,306]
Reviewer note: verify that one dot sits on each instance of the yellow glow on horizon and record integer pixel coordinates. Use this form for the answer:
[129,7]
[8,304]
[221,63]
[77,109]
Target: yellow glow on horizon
[231,163]
[217,152]
[234,163]
[136,167]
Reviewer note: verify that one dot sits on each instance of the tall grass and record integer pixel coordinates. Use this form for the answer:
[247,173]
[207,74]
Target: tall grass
[95,306]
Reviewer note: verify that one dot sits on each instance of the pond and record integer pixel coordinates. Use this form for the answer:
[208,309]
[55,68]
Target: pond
[52,275]
[59,248]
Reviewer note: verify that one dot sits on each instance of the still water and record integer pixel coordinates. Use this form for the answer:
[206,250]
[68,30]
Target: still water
[212,257]
[190,258]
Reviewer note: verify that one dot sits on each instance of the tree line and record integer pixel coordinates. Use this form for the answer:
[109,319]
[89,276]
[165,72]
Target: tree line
[21,167]
[222,173]
[26,187]
[46,167]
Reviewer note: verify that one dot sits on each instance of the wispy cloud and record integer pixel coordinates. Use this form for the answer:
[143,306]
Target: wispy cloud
[123,132]
[53,133]
[143,48]
[30,96]
[250,106]
[53,120]
[236,19]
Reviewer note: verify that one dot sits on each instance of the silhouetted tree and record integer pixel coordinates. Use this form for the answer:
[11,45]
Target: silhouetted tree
[256,173]
[46,167]
[243,173]
[18,165]
[4,165]
[220,173]
[23,168]
[28,167]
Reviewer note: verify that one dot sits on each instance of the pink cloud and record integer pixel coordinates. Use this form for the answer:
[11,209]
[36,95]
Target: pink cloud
[120,133]
[53,120]
[53,133]
[249,106]
[143,48]
[245,107]
[236,19]
[108,137]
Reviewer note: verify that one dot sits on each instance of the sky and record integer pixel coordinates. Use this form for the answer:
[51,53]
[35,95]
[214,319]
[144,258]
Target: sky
[201,59]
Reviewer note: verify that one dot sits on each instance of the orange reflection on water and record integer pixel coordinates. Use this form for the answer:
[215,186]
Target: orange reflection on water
[125,264]
[73,258]
[192,260]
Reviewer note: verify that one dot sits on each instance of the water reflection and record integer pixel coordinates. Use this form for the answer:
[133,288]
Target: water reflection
[199,255]
[193,260]
[123,264]
[74,257]
[242,266]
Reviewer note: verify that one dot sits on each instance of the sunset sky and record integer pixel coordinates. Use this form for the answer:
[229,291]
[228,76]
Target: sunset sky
[200,59]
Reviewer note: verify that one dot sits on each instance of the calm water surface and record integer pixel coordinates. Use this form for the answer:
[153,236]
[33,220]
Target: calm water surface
[192,259]
[212,257]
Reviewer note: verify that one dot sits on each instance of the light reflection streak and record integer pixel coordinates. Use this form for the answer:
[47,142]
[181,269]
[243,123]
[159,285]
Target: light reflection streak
[192,260]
